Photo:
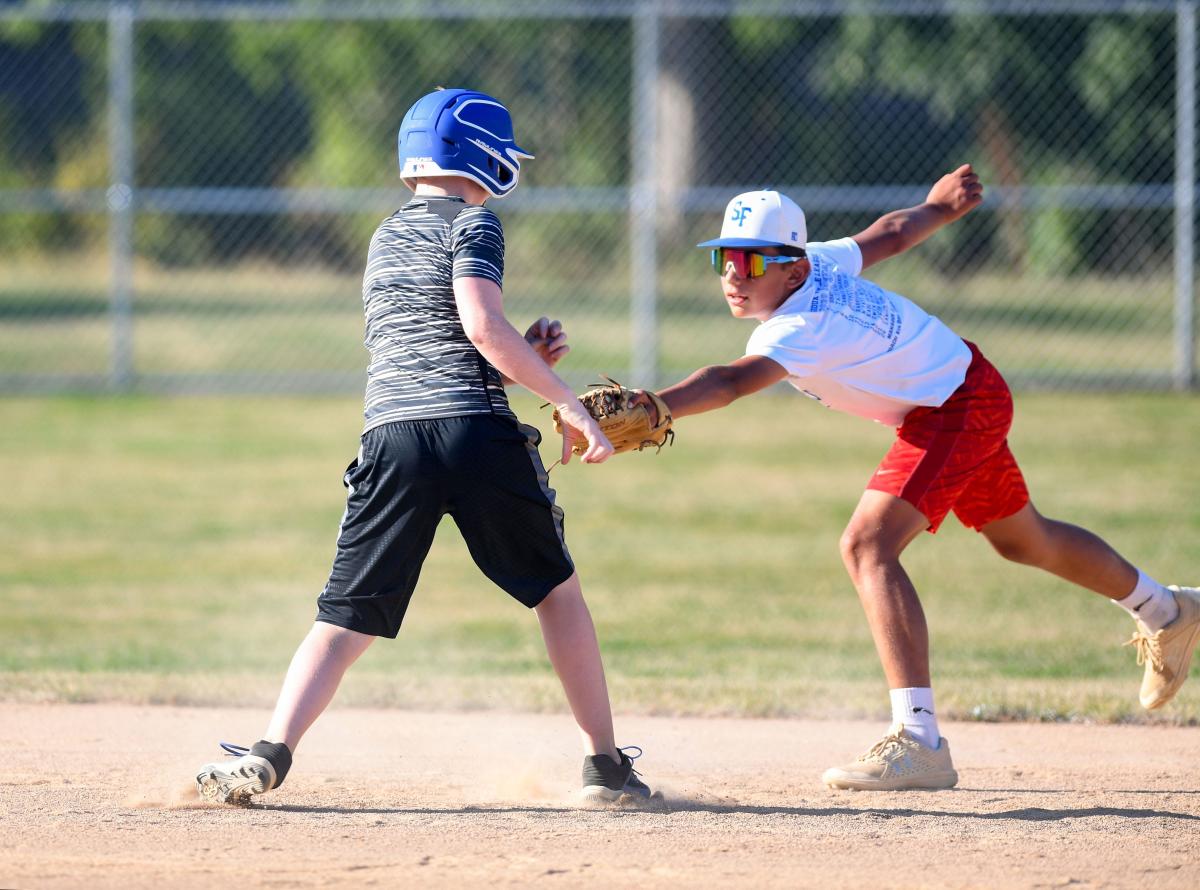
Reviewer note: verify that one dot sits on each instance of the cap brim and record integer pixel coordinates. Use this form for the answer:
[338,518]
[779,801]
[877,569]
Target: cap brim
[741,242]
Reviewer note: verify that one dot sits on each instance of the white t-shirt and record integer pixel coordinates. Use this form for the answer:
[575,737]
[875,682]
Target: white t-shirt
[856,347]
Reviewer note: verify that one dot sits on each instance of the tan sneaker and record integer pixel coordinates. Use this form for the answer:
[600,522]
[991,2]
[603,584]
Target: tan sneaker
[895,763]
[1168,652]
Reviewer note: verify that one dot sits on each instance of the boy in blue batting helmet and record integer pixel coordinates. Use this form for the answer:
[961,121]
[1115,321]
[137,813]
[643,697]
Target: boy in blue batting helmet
[440,438]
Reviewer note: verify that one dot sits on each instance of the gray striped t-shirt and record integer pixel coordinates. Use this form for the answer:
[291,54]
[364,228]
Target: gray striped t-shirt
[422,364]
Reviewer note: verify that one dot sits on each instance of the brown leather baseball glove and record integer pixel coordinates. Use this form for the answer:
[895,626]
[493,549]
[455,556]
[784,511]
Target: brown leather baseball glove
[626,424]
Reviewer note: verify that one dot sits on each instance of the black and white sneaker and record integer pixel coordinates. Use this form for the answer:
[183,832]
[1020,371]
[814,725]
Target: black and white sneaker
[606,780]
[251,771]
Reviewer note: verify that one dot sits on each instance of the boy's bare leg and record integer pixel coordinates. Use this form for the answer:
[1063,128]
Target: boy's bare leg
[1168,618]
[575,653]
[881,527]
[312,679]
[1071,552]
[912,754]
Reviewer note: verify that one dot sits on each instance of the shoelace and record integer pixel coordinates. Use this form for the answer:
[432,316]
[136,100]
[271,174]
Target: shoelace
[234,750]
[1149,648]
[632,757]
[879,750]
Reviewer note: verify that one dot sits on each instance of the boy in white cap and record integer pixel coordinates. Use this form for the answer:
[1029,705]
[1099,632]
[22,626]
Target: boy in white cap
[855,347]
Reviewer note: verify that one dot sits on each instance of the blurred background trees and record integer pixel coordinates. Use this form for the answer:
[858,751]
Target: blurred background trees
[857,100]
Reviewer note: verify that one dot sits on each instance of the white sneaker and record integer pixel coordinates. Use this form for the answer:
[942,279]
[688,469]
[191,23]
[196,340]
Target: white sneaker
[1168,652]
[897,762]
[235,781]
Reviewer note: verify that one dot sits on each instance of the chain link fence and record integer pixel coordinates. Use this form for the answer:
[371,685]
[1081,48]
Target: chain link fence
[187,189]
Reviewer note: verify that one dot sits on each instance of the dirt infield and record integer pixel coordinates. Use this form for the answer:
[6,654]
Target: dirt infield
[99,796]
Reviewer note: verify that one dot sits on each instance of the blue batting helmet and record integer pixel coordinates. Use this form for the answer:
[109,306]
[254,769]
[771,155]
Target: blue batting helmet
[461,133]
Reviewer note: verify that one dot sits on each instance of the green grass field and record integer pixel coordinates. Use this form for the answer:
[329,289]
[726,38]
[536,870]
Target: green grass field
[170,550]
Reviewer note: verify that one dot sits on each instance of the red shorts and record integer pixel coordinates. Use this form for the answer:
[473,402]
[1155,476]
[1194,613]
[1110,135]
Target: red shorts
[956,457]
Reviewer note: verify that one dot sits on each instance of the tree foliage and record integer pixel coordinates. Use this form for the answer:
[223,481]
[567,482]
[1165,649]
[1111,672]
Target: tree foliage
[852,100]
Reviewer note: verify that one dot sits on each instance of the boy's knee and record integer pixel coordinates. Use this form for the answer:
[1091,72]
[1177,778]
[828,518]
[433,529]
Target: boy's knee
[563,593]
[860,548]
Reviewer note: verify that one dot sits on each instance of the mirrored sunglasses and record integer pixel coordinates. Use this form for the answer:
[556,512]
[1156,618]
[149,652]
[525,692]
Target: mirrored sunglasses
[746,263]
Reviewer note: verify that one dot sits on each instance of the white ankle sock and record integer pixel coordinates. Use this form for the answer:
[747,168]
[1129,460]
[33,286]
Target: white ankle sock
[1150,603]
[912,708]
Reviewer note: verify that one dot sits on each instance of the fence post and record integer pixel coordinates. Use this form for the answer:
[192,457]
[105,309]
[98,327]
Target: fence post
[120,193]
[643,201]
[1185,194]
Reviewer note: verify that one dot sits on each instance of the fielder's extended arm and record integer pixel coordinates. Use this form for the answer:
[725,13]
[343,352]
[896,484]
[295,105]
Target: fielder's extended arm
[952,197]
[718,385]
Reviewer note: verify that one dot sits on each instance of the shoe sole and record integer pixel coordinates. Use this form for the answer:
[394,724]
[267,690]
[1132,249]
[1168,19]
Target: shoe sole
[931,782]
[600,793]
[1181,675]
[236,786]
[604,794]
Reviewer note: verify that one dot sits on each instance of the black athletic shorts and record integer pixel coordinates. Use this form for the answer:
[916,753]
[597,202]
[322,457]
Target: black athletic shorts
[485,471]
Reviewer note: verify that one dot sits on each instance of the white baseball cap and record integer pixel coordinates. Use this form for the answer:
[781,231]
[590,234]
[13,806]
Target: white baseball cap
[761,219]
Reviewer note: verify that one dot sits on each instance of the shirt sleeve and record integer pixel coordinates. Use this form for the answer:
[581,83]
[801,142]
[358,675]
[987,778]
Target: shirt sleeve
[843,253]
[477,243]
[786,340]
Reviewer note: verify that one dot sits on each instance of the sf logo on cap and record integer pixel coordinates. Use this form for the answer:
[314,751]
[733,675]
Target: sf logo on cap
[739,213]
